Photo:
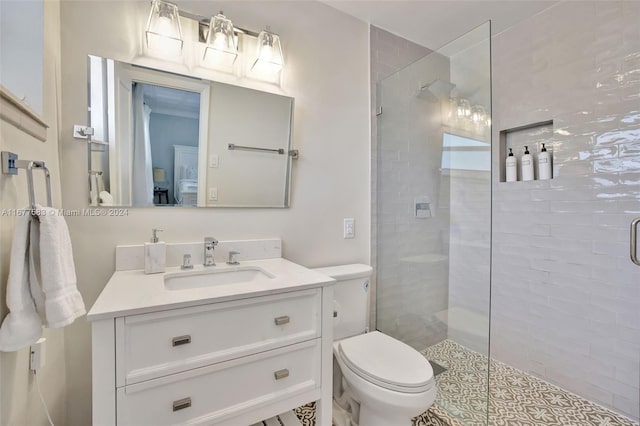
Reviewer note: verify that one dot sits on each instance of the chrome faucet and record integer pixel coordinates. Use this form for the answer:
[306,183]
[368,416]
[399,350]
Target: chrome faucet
[210,244]
[233,260]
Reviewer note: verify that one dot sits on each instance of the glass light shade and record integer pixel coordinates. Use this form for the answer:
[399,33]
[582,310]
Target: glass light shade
[163,29]
[478,115]
[221,50]
[463,108]
[269,53]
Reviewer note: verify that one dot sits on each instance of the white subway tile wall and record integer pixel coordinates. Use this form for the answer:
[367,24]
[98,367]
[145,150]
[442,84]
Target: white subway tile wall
[565,297]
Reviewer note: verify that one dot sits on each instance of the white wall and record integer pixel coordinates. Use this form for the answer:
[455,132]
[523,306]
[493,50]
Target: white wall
[248,118]
[327,74]
[565,299]
[19,402]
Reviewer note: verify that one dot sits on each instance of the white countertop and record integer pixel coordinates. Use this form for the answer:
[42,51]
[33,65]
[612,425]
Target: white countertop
[134,292]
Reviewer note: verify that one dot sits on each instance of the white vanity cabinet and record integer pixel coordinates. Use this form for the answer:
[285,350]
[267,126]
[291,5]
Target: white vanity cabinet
[233,362]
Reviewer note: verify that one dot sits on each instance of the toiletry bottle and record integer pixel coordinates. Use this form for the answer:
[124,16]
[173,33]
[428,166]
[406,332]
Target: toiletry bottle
[511,167]
[544,164]
[155,255]
[526,165]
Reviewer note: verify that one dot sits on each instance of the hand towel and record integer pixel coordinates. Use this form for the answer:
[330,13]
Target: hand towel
[62,301]
[105,199]
[35,279]
[100,183]
[93,190]
[22,326]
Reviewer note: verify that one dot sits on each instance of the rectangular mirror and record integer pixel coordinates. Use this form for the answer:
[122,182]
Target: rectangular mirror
[162,139]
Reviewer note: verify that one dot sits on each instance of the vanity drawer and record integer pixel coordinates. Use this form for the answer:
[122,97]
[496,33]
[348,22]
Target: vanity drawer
[219,392]
[153,345]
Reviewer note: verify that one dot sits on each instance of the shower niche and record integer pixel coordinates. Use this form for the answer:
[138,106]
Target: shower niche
[535,136]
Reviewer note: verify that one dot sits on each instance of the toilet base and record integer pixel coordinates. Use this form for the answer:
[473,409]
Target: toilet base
[350,411]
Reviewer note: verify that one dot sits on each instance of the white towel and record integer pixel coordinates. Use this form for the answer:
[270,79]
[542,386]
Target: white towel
[62,301]
[22,326]
[105,199]
[93,190]
[100,181]
[42,281]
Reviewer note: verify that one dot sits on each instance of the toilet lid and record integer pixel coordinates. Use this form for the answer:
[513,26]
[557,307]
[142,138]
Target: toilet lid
[387,362]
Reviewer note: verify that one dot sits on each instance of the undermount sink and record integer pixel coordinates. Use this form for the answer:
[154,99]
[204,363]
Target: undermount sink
[210,278]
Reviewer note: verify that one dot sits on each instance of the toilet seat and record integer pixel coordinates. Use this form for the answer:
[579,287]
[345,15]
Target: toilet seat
[386,362]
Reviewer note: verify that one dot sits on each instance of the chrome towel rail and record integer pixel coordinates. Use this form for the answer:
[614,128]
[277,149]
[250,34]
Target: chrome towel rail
[293,153]
[10,166]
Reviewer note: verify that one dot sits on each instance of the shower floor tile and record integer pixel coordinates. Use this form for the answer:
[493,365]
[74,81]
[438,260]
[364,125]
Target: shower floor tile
[516,398]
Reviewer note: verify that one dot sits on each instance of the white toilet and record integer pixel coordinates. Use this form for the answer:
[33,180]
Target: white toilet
[384,381]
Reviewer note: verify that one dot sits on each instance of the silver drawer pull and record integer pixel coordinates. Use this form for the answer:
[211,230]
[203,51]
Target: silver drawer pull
[281,374]
[181,404]
[181,340]
[282,320]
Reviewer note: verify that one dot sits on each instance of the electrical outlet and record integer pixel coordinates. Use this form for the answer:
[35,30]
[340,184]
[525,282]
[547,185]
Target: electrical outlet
[213,194]
[37,354]
[213,161]
[349,228]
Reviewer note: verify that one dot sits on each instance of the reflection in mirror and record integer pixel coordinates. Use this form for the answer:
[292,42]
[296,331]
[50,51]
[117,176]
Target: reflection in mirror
[162,139]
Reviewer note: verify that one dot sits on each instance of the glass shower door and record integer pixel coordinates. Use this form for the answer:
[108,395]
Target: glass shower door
[434,217]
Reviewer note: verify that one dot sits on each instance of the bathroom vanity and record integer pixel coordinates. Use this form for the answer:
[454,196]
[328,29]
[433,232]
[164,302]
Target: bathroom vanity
[223,345]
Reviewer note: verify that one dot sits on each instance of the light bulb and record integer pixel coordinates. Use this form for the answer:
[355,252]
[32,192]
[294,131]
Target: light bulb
[266,53]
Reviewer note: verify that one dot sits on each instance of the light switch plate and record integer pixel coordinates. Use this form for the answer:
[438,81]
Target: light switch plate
[213,161]
[349,227]
[213,194]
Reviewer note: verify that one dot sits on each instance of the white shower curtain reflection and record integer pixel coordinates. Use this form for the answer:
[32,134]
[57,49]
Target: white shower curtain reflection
[142,172]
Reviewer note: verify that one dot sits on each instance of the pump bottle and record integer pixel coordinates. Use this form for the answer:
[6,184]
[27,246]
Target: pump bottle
[511,166]
[544,164]
[526,165]
[155,254]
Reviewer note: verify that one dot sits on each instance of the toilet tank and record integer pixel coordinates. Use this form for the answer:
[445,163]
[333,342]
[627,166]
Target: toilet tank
[350,298]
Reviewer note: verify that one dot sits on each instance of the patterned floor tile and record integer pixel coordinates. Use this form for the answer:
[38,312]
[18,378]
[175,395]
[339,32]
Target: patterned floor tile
[515,398]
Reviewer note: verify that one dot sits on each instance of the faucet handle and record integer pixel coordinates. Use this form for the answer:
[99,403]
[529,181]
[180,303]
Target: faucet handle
[232,258]
[154,236]
[210,240]
[186,262]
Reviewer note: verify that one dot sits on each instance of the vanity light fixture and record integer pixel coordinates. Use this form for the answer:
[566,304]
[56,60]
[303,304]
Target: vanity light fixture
[221,47]
[164,35]
[269,53]
[463,115]
[479,117]
[163,28]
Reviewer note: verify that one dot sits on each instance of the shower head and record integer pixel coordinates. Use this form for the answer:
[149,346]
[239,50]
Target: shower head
[436,90]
